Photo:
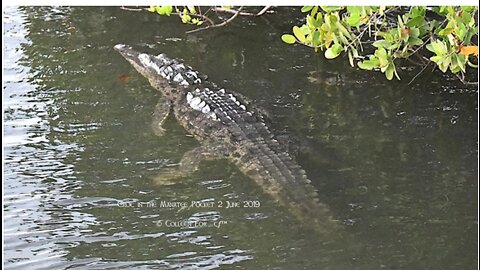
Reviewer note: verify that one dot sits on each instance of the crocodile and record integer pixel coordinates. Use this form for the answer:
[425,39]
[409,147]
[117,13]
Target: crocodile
[228,125]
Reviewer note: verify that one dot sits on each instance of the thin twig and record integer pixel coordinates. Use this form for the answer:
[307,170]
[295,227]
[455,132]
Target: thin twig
[360,35]
[419,47]
[205,18]
[414,77]
[133,9]
[462,79]
[233,11]
[368,27]
[208,10]
[217,25]
[261,12]
[229,10]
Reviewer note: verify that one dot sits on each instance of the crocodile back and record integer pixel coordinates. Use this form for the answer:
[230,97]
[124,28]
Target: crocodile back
[221,117]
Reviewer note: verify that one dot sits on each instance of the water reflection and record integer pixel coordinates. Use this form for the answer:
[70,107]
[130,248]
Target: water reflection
[395,163]
[35,174]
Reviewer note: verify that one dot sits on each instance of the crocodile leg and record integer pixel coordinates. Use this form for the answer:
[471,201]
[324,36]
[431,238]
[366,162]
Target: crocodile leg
[189,164]
[162,110]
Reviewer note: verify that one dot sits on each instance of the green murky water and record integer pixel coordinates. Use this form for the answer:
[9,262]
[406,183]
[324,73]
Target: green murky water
[395,163]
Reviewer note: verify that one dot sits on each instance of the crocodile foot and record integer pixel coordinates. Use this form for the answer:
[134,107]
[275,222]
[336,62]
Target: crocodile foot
[189,164]
[162,110]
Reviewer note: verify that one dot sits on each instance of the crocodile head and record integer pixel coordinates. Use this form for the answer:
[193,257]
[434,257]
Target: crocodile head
[148,65]
[161,70]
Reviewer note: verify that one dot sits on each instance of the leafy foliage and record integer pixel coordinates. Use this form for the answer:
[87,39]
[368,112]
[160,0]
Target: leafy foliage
[393,33]
[187,15]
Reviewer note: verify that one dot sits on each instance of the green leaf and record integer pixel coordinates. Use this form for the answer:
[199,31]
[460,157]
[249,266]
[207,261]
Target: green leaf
[299,34]
[415,41]
[467,8]
[436,58]
[369,64]
[382,56]
[430,47]
[186,18]
[333,18]
[445,32]
[417,21]
[354,9]
[354,20]
[311,21]
[461,60]
[192,9]
[305,30]
[437,47]
[466,17]
[461,31]
[289,39]
[418,11]
[331,8]
[164,10]
[454,67]
[382,44]
[414,32]
[343,30]
[354,52]
[364,65]
[197,21]
[333,51]
[342,38]
[350,58]
[389,72]
[306,8]
[400,22]
[168,10]
[389,37]
[444,63]
[319,16]
[325,27]
[316,38]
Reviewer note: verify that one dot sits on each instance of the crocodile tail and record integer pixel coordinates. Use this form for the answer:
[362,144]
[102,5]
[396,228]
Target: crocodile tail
[282,178]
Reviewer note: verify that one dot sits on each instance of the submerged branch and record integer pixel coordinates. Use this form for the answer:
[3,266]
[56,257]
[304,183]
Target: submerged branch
[461,77]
